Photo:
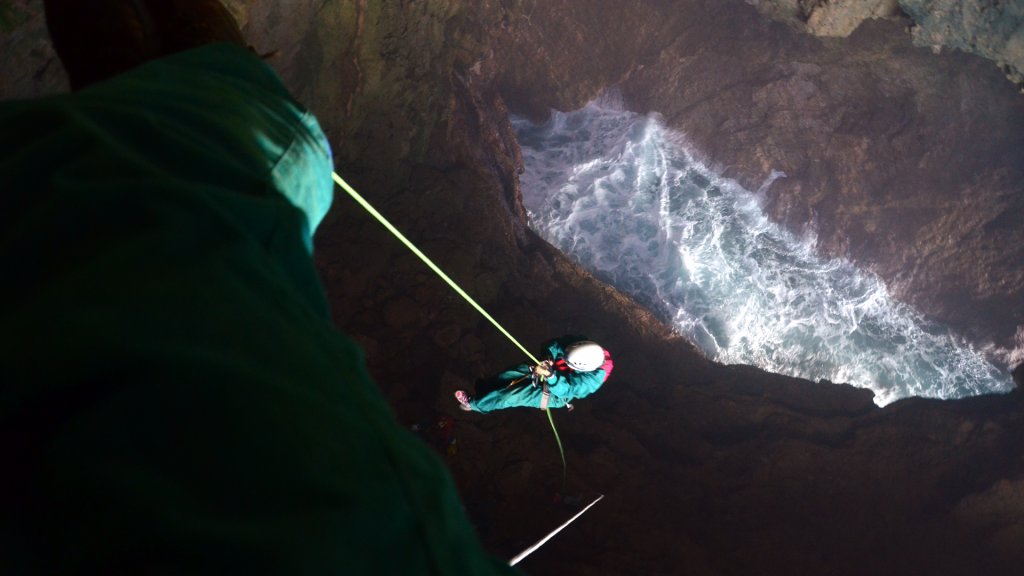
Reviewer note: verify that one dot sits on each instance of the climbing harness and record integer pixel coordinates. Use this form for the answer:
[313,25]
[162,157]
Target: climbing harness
[545,396]
[519,381]
[430,264]
[540,382]
[543,383]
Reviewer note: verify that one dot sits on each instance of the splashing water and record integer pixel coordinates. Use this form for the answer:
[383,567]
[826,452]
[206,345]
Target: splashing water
[620,194]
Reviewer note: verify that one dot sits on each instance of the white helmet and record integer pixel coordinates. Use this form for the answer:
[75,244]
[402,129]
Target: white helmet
[584,356]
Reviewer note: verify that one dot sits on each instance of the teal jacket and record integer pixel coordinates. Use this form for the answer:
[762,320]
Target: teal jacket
[564,384]
[175,399]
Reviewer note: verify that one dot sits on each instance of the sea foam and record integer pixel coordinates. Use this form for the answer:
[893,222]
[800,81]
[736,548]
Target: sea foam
[622,195]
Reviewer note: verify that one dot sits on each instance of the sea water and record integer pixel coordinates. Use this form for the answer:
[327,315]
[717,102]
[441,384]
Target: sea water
[621,194]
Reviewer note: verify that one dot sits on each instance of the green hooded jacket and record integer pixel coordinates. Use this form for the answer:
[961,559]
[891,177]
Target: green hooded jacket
[176,399]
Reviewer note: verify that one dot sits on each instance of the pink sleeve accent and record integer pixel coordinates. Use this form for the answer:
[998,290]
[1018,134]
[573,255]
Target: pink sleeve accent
[607,366]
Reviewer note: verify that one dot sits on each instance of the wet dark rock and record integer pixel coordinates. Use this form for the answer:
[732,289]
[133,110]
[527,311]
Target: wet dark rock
[997,512]
[992,29]
[906,161]
[824,17]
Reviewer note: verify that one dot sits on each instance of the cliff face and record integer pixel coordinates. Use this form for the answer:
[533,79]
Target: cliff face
[992,29]
[708,469]
[825,18]
[905,162]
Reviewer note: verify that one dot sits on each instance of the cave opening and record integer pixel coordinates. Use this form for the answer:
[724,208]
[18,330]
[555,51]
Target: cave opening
[623,195]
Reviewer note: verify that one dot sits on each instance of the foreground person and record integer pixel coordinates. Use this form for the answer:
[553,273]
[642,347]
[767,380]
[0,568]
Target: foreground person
[575,368]
[175,399]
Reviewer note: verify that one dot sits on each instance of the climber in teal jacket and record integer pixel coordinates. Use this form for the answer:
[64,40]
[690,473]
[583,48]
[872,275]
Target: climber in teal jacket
[575,368]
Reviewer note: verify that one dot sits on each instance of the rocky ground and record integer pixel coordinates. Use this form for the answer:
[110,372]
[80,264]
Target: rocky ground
[992,29]
[905,160]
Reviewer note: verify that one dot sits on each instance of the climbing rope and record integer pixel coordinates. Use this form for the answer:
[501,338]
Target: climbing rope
[430,264]
[519,557]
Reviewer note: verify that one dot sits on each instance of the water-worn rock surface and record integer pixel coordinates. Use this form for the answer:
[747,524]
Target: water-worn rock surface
[824,17]
[905,160]
[992,29]
[908,163]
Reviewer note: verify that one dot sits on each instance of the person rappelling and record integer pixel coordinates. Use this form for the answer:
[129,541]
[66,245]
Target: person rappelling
[574,368]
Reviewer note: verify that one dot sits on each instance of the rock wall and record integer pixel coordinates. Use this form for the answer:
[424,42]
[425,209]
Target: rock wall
[28,64]
[825,17]
[708,469]
[992,29]
[906,162]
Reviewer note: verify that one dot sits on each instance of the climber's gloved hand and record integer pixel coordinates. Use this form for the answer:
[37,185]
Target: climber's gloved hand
[543,369]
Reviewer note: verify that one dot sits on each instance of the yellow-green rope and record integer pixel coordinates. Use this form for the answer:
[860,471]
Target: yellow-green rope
[380,218]
[430,264]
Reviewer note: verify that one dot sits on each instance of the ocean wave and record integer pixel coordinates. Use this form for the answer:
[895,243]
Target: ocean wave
[622,195]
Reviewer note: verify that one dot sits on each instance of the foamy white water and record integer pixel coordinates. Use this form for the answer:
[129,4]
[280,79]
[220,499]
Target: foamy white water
[620,194]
